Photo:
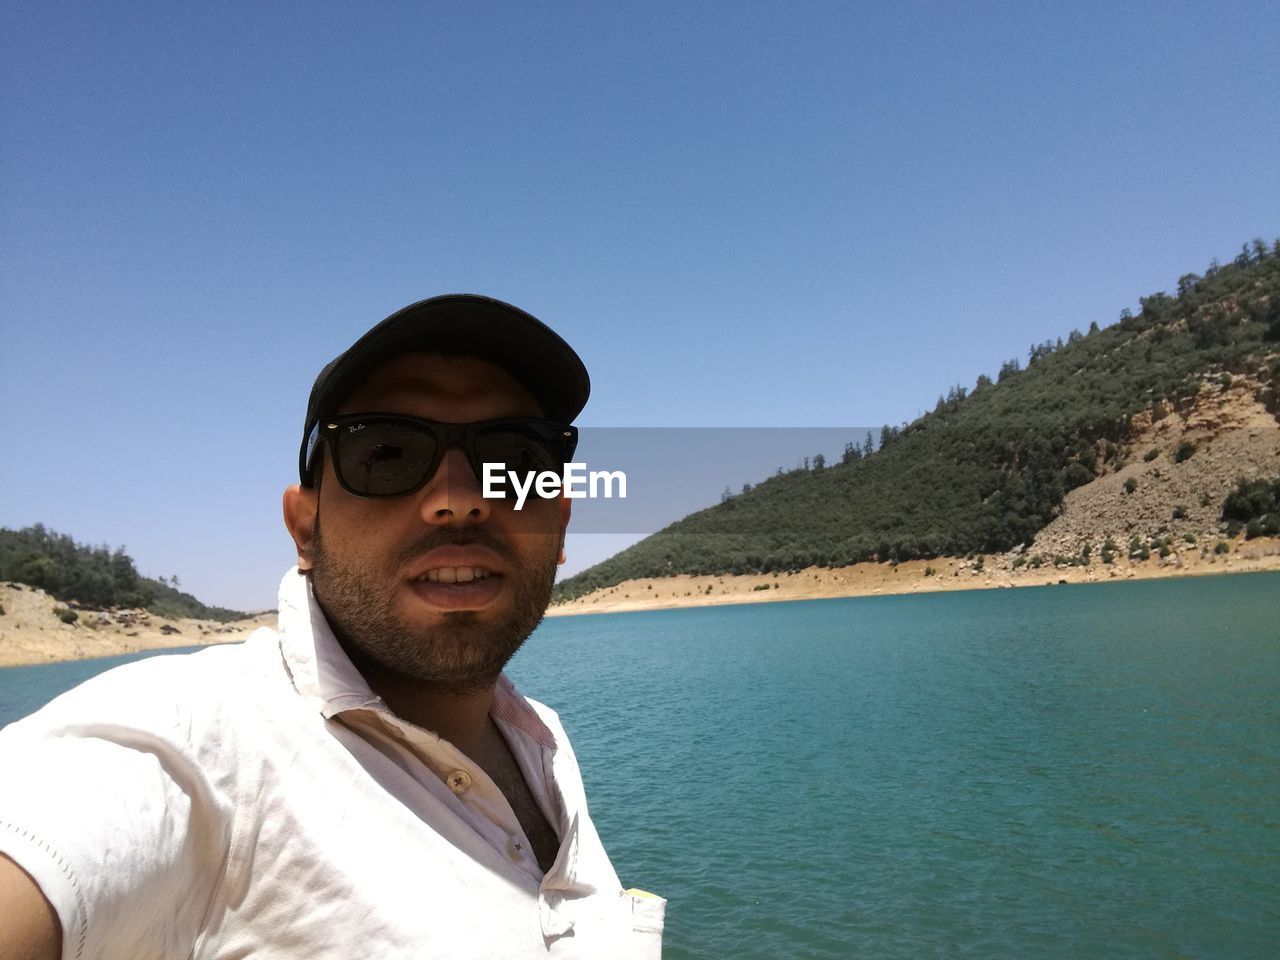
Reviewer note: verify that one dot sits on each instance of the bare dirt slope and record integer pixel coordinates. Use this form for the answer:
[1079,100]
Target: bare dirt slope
[1234,437]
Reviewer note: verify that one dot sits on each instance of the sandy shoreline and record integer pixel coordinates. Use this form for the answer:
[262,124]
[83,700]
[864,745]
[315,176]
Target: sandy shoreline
[31,631]
[915,576]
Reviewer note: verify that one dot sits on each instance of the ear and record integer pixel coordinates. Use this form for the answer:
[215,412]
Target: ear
[300,504]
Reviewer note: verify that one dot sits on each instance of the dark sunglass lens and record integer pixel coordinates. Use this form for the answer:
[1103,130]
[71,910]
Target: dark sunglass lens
[384,457]
[521,448]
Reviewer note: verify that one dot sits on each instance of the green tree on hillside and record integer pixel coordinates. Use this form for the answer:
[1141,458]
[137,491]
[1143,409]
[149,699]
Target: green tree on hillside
[92,576]
[69,571]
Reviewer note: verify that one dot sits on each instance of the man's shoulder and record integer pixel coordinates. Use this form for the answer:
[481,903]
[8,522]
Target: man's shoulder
[172,690]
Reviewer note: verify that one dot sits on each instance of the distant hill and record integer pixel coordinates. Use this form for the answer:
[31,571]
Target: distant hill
[94,576]
[988,468]
[169,601]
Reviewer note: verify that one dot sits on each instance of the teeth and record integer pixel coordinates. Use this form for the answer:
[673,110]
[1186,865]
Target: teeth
[454,574]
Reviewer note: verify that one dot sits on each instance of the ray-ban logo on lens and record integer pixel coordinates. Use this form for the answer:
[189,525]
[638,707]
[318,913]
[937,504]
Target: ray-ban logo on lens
[576,483]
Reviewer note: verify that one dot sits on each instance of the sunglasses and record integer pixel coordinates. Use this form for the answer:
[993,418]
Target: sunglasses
[391,455]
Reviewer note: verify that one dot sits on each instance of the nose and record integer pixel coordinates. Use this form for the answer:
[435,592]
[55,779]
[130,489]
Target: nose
[453,495]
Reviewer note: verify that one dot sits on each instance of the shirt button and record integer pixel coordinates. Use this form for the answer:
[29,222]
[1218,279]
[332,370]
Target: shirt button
[458,781]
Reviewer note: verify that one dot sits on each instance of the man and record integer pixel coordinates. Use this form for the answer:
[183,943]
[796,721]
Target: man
[363,781]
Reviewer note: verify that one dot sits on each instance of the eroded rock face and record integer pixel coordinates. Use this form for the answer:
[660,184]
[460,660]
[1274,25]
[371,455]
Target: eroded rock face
[1234,437]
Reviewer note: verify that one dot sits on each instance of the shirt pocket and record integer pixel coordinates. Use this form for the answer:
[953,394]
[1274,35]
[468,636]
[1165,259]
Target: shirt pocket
[648,914]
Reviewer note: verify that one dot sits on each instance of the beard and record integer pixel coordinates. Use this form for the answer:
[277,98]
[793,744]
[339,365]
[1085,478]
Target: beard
[463,654]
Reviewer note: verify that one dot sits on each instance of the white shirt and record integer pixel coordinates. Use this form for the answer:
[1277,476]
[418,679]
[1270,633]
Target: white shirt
[259,800]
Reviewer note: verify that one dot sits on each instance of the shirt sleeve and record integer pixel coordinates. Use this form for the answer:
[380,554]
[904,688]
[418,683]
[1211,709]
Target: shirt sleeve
[121,828]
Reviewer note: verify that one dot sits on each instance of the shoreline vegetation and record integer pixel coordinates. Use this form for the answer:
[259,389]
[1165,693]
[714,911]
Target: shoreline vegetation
[33,631]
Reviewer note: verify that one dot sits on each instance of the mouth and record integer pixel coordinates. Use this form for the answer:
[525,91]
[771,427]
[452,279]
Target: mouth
[453,575]
[464,581]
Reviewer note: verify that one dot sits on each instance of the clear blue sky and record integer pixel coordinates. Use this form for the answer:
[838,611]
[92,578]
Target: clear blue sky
[740,214]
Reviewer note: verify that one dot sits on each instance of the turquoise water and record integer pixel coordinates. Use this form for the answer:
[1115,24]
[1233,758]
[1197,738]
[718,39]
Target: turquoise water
[1059,772]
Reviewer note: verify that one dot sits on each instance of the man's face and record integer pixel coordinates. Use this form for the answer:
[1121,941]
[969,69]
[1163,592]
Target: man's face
[441,585]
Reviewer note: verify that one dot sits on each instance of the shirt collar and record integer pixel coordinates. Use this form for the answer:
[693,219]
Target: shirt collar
[512,708]
[321,670]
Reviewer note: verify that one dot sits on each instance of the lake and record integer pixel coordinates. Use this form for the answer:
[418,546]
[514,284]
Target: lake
[1056,772]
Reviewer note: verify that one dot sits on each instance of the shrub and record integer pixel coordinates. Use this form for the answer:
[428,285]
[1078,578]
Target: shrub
[1019,562]
[929,571]
[1273,331]
[1189,538]
[1185,449]
[1075,475]
[1221,547]
[1150,455]
[760,586]
[66,614]
[1179,512]
[1252,499]
[1108,550]
[1264,526]
[1130,485]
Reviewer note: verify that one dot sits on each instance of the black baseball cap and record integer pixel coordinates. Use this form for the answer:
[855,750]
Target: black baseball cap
[463,324]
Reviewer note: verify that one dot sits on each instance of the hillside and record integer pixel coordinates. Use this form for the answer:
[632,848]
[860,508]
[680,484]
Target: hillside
[1033,464]
[36,628]
[1176,533]
[97,577]
[63,600]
